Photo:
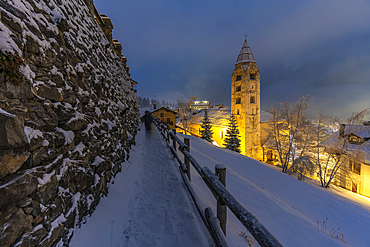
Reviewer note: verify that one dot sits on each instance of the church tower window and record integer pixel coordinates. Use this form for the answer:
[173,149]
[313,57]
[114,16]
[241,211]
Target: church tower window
[253,99]
[238,100]
[238,78]
[238,88]
[252,76]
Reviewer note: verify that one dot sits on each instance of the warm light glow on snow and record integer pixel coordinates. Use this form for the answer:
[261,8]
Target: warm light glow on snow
[215,143]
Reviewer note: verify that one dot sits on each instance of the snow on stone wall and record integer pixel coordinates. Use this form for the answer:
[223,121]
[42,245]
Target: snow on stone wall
[75,106]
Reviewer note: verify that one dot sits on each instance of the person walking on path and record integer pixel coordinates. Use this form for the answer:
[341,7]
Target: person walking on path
[147,119]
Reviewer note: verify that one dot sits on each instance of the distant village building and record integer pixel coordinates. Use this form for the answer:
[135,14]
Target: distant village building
[355,172]
[167,116]
[200,105]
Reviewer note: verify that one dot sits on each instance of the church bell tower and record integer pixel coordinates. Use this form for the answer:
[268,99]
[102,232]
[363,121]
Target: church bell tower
[245,102]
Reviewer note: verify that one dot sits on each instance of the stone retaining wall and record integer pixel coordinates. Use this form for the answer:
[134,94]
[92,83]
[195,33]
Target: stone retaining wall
[66,123]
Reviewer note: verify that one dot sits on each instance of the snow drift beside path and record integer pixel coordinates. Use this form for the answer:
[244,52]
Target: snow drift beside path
[293,211]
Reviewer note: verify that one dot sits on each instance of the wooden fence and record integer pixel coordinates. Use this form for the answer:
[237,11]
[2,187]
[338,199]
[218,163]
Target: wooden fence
[216,182]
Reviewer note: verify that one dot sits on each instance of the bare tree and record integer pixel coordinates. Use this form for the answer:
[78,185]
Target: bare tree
[290,132]
[182,108]
[191,100]
[337,148]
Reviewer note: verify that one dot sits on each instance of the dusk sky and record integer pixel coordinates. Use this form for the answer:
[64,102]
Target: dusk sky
[178,49]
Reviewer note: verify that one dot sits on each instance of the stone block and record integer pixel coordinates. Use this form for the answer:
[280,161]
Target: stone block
[63,25]
[57,79]
[16,190]
[32,238]
[14,91]
[7,20]
[54,236]
[76,124]
[41,116]
[14,227]
[47,191]
[28,210]
[11,131]
[32,46]
[26,202]
[49,92]
[11,163]
[55,139]
[35,143]
[64,114]
[84,181]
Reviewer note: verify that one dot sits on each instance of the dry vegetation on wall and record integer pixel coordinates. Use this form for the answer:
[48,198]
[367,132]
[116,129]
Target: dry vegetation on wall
[9,67]
[68,116]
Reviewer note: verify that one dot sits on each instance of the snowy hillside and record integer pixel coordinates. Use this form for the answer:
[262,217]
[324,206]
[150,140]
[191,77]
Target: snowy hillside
[293,211]
[148,205]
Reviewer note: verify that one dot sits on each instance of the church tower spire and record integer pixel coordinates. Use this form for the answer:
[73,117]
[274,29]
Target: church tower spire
[245,101]
[245,54]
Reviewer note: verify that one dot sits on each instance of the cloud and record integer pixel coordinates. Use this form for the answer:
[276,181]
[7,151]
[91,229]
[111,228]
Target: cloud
[308,24]
[179,49]
[171,96]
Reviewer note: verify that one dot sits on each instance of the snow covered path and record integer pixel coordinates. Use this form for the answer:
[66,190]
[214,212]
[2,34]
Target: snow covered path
[147,205]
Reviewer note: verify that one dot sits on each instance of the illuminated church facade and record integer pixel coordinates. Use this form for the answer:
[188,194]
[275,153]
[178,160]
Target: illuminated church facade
[245,102]
[245,105]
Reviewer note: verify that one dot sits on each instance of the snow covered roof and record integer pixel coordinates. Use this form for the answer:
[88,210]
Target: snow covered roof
[265,117]
[359,150]
[217,116]
[245,54]
[221,116]
[166,109]
[362,131]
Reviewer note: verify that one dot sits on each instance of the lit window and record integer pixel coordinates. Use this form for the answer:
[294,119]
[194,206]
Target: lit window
[355,167]
[253,99]
[269,155]
[222,134]
[238,78]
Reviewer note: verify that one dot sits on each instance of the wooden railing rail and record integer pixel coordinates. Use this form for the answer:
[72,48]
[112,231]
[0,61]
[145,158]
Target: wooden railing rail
[216,182]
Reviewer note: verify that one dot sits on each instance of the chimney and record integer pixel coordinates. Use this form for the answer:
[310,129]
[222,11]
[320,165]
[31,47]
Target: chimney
[107,29]
[341,130]
[117,47]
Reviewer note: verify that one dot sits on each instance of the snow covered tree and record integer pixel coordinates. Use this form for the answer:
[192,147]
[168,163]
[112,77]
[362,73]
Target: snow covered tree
[232,141]
[206,132]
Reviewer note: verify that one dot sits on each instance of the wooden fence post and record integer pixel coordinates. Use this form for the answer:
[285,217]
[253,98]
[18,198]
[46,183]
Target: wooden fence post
[168,133]
[187,163]
[221,206]
[174,140]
